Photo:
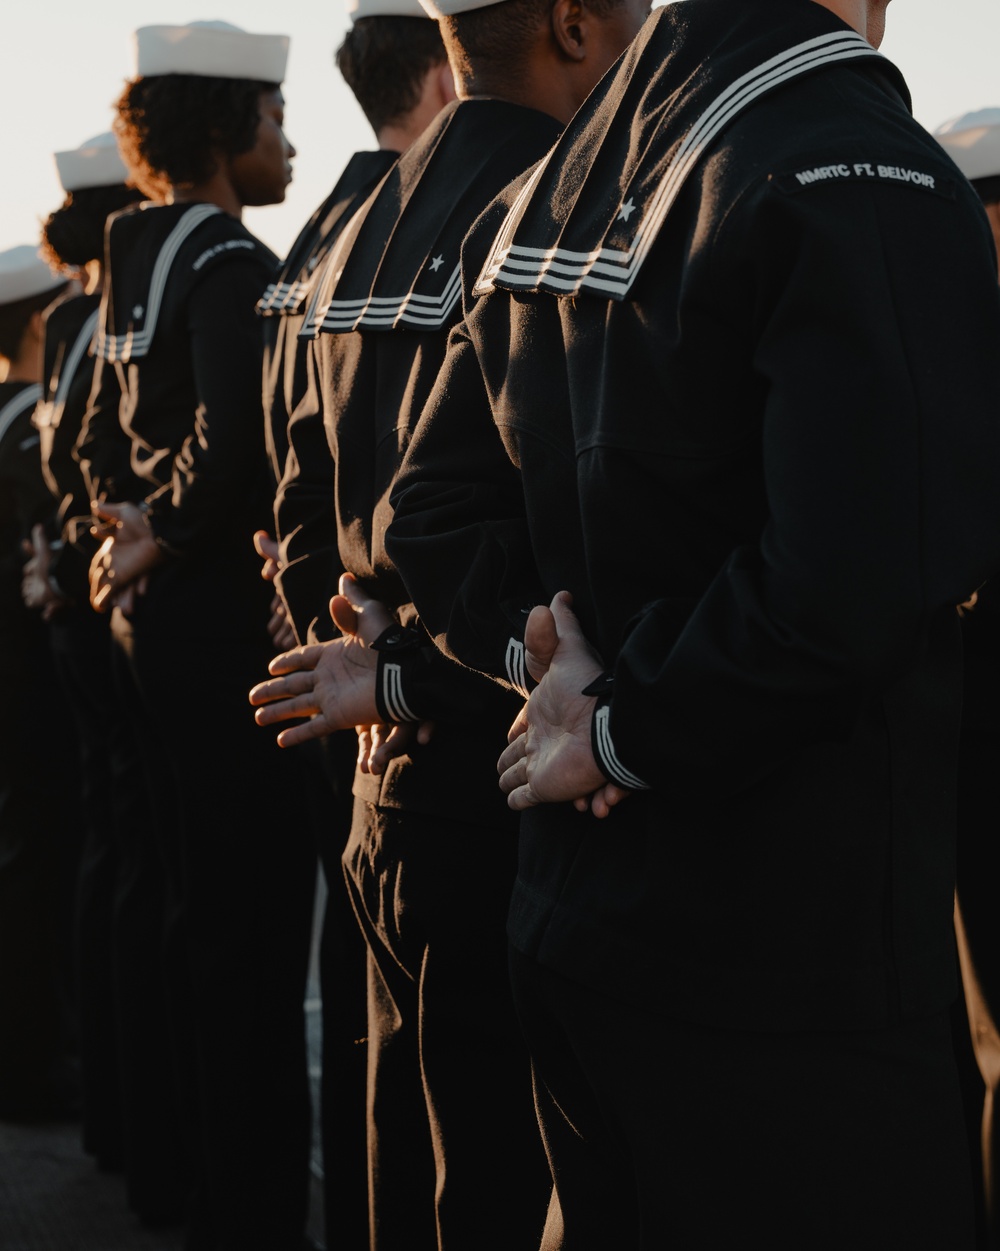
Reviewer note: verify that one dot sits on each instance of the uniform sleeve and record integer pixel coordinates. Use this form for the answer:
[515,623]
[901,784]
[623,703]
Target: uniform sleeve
[459,534]
[305,517]
[103,448]
[223,458]
[875,325]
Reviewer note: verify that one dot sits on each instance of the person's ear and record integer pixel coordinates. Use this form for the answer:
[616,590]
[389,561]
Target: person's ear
[568,19]
[446,84]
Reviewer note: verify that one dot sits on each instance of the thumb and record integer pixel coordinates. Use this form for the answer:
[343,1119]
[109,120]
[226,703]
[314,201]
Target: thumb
[38,537]
[353,592]
[567,623]
[344,614]
[264,545]
[541,638]
[109,512]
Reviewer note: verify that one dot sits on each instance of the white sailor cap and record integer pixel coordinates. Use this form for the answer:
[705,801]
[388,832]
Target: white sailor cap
[973,142]
[211,50]
[448,8]
[23,274]
[357,9]
[95,163]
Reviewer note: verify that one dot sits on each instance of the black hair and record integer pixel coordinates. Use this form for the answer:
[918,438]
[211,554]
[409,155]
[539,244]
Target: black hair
[74,233]
[384,61]
[14,318]
[988,189]
[502,34]
[172,128]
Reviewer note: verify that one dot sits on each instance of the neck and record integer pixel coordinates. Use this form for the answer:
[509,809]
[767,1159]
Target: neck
[215,190]
[27,366]
[867,17]
[436,91]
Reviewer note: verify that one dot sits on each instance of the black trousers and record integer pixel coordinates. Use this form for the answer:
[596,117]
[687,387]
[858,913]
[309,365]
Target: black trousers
[455,1158]
[41,831]
[240,864]
[343,990]
[978,864]
[666,1135]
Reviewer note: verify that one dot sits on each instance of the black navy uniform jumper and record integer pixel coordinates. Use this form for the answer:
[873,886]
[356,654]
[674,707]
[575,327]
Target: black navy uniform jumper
[39,809]
[180,371]
[431,856]
[129,1114]
[300,461]
[715,381]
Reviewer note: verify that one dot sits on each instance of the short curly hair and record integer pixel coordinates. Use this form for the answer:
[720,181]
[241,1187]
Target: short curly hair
[74,233]
[384,61]
[171,128]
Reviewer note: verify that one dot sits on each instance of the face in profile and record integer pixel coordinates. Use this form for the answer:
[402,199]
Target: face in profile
[261,175]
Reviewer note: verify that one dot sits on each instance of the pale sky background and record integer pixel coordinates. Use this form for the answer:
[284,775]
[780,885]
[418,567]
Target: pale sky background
[65,62]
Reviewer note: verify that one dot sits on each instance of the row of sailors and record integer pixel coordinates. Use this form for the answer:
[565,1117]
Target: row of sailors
[140,400]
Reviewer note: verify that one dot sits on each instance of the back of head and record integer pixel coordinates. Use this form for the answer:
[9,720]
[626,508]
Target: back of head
[386,56]
[94,179]
[496,47]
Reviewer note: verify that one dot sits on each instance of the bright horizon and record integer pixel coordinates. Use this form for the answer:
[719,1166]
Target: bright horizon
[67,63]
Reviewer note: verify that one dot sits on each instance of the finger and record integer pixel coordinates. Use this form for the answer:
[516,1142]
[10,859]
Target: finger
[520,724]
[364,747]
[294,684]
[566,621]
[38,538]
[106,511]
[304,733]
[296,659]
[286,710]
[391,745]
[515,751]
[343,614]
[515,775]
[603,800]
[425,732]
[522,798]
[541,638]
[356,596]
[100,598]
[265,546]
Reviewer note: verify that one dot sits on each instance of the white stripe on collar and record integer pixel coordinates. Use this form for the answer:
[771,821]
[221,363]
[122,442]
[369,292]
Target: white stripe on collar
[21,402]
[50,414]
[610,271]
[136,343]
[429,312]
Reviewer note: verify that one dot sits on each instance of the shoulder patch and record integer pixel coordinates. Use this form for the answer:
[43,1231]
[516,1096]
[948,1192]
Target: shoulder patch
[873,171]
[219,248]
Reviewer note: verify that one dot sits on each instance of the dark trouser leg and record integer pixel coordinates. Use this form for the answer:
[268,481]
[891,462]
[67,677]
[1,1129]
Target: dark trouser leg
[243,868]
[343,986]
[433,897]
[718,1138]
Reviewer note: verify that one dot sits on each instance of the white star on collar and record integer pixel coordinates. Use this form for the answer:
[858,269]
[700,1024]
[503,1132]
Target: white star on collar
[138,311]
[626,210]
[436,264]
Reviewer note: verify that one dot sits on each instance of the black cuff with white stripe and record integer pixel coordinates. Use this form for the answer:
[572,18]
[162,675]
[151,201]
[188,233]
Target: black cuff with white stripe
[517,672]
[600,737]
[396,646]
